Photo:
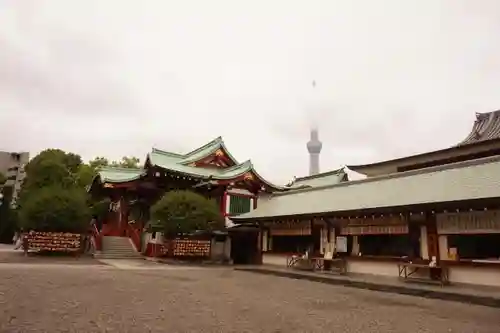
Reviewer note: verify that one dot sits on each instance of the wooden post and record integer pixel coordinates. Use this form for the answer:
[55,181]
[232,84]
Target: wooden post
[26,244]
[432,236]
[260,251]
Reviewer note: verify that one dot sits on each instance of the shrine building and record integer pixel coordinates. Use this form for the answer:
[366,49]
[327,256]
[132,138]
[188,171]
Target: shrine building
[441,206]
[210,170]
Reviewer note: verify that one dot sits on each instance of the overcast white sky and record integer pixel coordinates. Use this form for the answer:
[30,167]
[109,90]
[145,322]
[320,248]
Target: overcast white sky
[115,78]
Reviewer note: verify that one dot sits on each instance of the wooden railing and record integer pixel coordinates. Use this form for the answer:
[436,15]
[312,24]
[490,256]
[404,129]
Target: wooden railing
[135,236]
[97,236]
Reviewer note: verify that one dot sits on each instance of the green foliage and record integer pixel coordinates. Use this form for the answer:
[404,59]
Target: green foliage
[7,216]
[69,160]
[53,196]
[127,162]
[51,166]
[98,162]
[184,212]
[55,208]
[3,179]
[100,208]
[85,175]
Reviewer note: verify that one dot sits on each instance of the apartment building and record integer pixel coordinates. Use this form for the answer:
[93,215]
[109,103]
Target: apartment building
[12,166]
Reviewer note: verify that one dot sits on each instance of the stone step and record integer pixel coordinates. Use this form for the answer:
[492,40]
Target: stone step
[117,248]
[117,245]
[116,256]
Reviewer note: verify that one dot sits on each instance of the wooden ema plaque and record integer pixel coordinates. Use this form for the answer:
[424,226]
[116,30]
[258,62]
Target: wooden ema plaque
[54,241]
[191,248]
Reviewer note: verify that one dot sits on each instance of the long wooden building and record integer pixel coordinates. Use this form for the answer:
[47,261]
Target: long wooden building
[442,205]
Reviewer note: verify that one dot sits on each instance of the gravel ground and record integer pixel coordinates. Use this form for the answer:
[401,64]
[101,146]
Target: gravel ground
[93,298]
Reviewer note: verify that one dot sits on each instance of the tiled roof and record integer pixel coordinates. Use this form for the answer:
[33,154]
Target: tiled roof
[486,127]
[198,153]
[119,175]
[180,164]
[322,179]
[468,180]
[157,158]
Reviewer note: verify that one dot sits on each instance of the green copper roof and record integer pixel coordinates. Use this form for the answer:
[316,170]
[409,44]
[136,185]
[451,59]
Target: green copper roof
[195,155]
[469,180]
[166,162]
[179,163]
[321,179]
[206,150]
[119,175]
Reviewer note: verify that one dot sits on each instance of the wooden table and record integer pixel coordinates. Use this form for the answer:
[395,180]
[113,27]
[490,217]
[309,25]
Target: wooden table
[407,270]
[339,263]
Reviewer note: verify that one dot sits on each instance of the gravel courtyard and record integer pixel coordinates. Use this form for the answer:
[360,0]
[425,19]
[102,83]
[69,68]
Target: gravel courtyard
[158,298]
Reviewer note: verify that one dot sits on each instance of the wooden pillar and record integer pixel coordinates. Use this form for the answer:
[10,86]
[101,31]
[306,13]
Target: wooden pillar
[260,251]
[223,203]
[432,236]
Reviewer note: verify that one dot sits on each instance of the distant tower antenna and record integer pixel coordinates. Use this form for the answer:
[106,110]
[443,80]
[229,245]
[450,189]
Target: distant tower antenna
[314,147]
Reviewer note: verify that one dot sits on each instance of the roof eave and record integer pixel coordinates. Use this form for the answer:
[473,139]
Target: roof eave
[405,161]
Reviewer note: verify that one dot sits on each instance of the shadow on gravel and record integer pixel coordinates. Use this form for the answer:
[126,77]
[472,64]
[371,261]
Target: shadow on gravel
[18,257]
[432,294]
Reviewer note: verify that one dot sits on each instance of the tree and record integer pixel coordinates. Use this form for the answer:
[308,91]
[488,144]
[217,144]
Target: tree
[181,212]
[7,216]
[98,162]
[57,209]
[85,175]
[127,162]
[53,196]
[69,160]
[3,179]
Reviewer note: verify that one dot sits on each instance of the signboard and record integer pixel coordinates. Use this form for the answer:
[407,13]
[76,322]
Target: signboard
[375,230]
[291,229]
[479,222]
[341,244]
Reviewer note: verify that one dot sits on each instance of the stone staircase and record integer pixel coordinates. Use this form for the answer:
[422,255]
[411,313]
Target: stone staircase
[117,248]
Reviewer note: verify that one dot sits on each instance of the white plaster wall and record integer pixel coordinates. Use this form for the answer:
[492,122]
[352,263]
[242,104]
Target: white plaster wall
[372,267]
[355,246]
[239,191]
[475,275]
[424,250]
[443,247]
[229,223]
[274,259]
[217,250]
[148,238]
[265,237]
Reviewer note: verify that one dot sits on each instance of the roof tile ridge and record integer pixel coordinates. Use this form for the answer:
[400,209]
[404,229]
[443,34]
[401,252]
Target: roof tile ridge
[113,168]
[319,175]
[438,168]
[215,142]
[164,152]
[240,165]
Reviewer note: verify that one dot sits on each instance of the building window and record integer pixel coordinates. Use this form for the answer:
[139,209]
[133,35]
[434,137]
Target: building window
[484,246]
[239,205]
[292,244]
[385,245]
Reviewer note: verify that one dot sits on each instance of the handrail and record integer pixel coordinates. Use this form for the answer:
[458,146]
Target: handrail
[134,234]
[97,238]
